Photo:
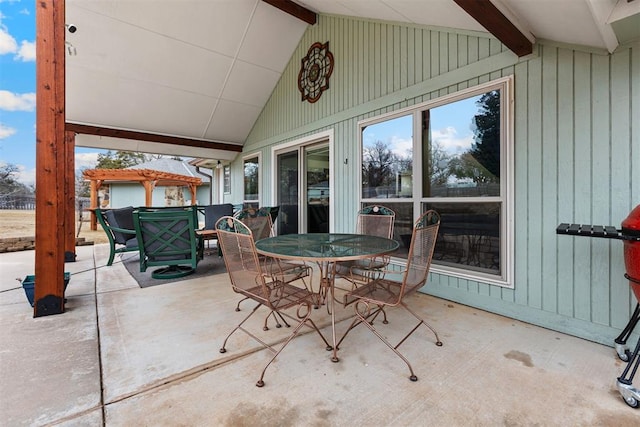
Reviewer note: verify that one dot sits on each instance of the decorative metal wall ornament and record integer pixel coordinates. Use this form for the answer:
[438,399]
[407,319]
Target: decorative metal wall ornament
[317,66]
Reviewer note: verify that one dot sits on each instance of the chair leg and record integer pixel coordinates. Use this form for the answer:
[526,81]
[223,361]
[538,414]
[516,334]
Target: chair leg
[112,254]
[223,349]
[363,319]
[363,316]
[370,317]
[238,305]
[422,322]
[277,317]
[304,318]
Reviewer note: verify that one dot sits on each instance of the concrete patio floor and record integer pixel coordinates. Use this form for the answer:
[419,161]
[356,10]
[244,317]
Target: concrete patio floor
[121,355]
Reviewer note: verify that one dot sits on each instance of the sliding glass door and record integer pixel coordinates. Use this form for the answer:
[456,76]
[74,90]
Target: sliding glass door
[288,171]
[303,189]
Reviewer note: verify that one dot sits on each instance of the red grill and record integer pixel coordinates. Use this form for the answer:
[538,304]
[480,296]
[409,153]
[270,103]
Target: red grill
[631,228]
[630,234]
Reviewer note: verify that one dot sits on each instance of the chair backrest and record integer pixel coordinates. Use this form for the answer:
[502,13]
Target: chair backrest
[166,236]
[259,221]
[270,210]
[241,258]
[118,218]
[376,220]
[212,213]
[423,242]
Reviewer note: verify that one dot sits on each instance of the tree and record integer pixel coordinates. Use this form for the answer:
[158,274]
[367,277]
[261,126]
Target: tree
[8,181]
[250,179]
[119,159]
[486,149]
[377,162]
[83,189]
[467,166]
[439,165]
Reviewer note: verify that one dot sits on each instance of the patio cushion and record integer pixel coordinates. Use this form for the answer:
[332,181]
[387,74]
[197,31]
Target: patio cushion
[212,213]
[132,243]
[121,218]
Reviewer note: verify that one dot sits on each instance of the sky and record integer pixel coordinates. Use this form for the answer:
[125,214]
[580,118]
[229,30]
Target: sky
[18,102]
[18,91]
[450,128]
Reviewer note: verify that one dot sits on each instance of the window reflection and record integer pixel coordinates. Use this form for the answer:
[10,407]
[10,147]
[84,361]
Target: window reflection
[461,148]
[251,180]
[469,236]
[387,162]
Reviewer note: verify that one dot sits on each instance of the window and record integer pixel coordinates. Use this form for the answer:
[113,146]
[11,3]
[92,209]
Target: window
[226,172]
[452,155]
[251,182]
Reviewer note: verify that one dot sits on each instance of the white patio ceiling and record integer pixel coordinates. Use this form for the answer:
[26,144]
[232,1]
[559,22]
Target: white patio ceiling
[204,69]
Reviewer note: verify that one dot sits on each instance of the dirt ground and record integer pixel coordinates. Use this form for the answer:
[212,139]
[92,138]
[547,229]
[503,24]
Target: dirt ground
[19,223]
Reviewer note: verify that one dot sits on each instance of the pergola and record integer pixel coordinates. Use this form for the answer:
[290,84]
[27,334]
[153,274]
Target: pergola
[148,178]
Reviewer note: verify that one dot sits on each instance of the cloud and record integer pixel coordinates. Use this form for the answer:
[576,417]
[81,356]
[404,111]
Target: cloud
[10,101]
[86,160]
[450,141]
[25,11]
[6,131]
[26,176]
[22,174]
[7,43]
[401,147]
[27,51]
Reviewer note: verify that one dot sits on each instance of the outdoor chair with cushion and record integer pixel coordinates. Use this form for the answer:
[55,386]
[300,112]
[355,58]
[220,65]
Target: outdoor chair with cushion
[249,279]
[118,225]
[374,296]
[212,213]
[167,237]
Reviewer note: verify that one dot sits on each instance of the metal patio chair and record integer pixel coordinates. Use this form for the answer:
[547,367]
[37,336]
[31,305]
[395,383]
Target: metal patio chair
[374,296]
[260,222]
[167,237]
[249,279]
[374,220]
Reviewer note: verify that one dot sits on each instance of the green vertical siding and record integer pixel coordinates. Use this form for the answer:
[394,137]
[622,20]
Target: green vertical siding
[576,144]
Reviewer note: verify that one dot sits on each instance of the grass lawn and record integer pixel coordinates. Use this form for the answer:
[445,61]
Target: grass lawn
[21,223]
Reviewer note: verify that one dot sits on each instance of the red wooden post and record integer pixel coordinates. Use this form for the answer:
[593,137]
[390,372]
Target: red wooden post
[70,193]
[50,158]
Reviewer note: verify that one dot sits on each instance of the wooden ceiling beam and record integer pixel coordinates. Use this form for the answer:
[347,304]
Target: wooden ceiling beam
[491,18]
[294,9]
[149,137]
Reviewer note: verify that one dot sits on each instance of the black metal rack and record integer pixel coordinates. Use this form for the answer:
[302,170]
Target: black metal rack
[602,231]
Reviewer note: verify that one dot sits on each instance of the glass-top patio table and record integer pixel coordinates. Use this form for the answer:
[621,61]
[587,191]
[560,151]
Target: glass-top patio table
[326,249]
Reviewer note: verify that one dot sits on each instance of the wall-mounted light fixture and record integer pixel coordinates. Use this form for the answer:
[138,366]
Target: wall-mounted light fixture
[219,165]
[71,49]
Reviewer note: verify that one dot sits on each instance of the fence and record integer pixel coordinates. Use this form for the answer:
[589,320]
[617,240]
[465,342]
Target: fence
[21,202]
[28,202]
